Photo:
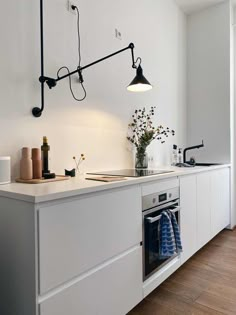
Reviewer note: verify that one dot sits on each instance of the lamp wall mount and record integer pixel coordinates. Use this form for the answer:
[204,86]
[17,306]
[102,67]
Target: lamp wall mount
[70,5]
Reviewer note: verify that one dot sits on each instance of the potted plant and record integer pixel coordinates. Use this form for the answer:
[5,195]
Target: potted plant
[142,133]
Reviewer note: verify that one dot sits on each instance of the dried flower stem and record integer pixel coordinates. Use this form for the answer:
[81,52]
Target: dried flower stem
[79,162]
[143,132]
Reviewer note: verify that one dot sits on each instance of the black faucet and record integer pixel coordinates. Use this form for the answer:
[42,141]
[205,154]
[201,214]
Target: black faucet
[191,148]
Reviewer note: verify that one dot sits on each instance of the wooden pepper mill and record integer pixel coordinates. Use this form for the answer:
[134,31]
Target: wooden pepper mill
[26,167]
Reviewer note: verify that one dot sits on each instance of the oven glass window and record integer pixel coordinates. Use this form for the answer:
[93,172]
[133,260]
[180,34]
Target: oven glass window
[152,243]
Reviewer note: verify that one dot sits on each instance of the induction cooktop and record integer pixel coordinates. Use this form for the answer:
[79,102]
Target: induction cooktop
[132,172]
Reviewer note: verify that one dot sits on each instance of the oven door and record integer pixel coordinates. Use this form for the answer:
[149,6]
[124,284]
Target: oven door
[151,218]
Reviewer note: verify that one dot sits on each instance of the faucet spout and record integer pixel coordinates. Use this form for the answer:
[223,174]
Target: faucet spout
[192,148]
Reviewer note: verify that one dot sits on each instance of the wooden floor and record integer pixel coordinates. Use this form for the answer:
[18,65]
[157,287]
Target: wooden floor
[206,284]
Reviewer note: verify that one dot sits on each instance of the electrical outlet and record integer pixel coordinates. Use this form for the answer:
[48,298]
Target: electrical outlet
[118,34]
[69,6]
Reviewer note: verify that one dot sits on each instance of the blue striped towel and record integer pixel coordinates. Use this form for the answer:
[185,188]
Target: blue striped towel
[170,242]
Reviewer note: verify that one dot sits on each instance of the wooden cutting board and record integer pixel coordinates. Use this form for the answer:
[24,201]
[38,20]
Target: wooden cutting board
[107,178]
[43,181]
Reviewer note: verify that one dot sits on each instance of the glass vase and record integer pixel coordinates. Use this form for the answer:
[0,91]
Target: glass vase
[141,160]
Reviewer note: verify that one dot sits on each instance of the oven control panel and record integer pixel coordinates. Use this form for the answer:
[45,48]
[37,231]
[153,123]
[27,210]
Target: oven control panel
[160,198]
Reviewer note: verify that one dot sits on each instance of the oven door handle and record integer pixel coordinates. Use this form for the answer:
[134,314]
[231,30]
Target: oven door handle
[157,218]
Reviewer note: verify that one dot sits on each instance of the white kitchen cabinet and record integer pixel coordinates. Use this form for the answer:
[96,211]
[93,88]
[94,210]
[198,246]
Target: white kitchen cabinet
[18,272]
[114,289]
[220,200]
[75,236]
[205,208]
[80,254]
[188,215]
[204,233]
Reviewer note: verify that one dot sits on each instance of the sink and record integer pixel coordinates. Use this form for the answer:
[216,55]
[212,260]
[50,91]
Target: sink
[196,164]
[207,164]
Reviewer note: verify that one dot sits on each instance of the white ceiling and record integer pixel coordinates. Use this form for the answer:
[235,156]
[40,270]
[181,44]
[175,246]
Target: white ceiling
[190,6]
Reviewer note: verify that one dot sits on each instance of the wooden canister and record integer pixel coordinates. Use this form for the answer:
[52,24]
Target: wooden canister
[37,163]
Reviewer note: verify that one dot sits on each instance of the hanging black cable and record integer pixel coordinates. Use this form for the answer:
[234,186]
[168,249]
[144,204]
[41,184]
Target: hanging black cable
[79,63]
[81,80]
[78,28]
[70,85]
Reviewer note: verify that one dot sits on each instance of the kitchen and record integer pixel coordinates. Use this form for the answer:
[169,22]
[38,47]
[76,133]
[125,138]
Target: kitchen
[100,121]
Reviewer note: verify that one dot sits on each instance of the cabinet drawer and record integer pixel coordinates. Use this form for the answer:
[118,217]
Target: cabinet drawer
[79,235]
[115,289]
[160,185]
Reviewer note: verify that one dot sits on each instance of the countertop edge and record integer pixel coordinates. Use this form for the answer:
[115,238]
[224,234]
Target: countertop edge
[35,196]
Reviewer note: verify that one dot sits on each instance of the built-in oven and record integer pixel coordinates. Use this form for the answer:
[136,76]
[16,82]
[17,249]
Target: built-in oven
[153,205]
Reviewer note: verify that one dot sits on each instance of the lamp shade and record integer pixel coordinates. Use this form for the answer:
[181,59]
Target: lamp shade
[139,83]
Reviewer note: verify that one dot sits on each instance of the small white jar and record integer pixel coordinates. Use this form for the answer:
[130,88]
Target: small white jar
[5,170]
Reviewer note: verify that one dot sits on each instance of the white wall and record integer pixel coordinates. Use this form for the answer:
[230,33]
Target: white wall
[208,78]
[98,125]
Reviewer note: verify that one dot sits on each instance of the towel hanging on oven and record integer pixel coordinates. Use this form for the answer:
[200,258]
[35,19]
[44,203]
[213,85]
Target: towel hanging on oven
[170,242]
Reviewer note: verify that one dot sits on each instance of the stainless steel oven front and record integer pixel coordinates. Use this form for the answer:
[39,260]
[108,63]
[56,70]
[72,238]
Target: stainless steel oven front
[153,205]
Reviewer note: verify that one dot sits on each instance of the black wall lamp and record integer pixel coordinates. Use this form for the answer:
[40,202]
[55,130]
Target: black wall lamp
[139,83]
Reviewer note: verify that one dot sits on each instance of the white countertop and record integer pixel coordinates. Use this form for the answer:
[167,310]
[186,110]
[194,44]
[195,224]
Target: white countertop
[36,193]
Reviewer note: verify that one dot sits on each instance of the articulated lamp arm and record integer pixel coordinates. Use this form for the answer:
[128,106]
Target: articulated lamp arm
[53,82]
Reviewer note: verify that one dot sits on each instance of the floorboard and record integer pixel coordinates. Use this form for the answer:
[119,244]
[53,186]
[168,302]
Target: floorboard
[205,284]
